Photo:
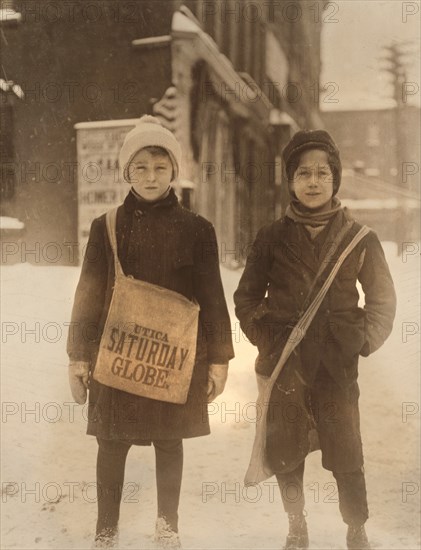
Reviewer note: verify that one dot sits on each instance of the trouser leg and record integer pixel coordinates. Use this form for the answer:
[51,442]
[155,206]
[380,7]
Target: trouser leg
[338,425]
[292,490]
[111,462]
[169,471]
[352,497]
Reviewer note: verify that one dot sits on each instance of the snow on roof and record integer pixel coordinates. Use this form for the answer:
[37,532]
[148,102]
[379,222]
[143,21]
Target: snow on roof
[357,186]
[379,204]
[9,85]
[106,123]
[10,223]
[8,15]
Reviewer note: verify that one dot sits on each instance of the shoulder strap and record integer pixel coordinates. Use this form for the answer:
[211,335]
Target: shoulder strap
[111,221]
[299,330]
[259,469]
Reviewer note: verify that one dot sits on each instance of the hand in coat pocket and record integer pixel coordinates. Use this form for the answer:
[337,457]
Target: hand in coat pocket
[78,380]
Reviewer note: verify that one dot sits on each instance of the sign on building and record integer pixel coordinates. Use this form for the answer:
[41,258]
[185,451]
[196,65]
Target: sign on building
[100,184]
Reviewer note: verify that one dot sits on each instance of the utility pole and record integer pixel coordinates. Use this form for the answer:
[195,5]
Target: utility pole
[396,67]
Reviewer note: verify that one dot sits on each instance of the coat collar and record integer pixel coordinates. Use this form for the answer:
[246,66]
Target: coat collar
[132,202]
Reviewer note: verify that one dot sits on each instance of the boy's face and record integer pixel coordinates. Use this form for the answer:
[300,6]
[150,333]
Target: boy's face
[313,180]
[150,175]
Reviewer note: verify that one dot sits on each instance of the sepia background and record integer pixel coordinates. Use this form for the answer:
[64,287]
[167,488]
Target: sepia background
[234,80]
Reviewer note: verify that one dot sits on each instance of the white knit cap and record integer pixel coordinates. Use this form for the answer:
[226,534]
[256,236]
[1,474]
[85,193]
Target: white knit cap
[149,132]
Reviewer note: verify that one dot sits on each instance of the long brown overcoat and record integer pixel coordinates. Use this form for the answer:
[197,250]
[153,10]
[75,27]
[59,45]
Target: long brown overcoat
[318,386]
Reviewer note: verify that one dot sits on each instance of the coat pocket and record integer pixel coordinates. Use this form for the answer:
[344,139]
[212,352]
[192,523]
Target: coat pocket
[181,273]
[348,331]
[183,260]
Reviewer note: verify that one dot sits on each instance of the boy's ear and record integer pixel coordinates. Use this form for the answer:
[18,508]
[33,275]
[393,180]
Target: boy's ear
[291,188]
[128,171]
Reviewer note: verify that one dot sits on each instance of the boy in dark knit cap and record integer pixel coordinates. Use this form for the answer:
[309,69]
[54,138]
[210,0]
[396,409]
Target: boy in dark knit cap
[317,388]
[162,243]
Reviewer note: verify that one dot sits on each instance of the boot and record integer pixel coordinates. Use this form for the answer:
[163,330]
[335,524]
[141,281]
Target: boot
[297,538]
[108,538]
[356,538]
[165,536]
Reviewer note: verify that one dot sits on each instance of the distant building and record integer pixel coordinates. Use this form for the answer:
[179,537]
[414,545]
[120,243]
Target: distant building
[367,140]
[233,80]
[393,212]
[380,189]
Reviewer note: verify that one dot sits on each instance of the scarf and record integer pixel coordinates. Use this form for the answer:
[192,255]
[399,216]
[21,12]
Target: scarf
[314,222]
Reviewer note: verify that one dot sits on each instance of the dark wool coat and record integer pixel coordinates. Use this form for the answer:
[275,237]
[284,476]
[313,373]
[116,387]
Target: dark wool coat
[167,245]
[318,386]
[279,271]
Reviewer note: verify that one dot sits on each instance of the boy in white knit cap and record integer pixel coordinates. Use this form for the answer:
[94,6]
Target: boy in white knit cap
[162,243]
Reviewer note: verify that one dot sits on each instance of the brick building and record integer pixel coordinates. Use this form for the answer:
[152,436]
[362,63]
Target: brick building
[381,171]
[231,79]
[369,144]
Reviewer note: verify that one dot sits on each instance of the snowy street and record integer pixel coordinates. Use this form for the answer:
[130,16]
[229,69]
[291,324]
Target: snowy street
[48,462]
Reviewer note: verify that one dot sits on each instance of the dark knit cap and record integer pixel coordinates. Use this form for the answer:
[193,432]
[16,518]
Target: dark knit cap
[312,139]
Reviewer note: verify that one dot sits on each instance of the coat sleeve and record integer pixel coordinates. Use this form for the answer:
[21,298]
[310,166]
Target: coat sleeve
[209,293]
[89,298]
[380,296]
[250,305]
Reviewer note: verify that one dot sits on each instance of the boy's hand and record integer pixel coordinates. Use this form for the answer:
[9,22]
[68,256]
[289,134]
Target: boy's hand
[217,378]
[78,380]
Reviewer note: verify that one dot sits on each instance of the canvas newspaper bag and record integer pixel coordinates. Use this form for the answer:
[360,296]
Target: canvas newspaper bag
[259,469]
[148,346]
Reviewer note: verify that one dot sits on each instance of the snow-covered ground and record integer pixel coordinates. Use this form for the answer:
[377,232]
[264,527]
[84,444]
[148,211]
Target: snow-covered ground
[48,463]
